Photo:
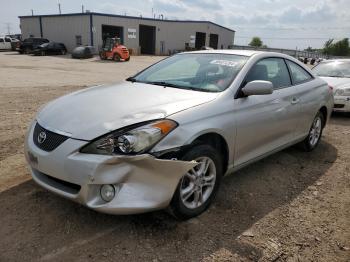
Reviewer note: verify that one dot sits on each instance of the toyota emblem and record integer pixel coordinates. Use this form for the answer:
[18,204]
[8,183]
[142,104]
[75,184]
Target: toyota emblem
[41,137]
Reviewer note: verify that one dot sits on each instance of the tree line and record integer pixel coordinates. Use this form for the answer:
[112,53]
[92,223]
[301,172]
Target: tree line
[338,48]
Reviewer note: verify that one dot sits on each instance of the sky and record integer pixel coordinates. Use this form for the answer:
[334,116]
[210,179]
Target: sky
[295,24]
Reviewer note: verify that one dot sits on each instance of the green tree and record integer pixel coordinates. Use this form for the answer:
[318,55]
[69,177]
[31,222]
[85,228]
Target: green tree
[256,42]
[340,48]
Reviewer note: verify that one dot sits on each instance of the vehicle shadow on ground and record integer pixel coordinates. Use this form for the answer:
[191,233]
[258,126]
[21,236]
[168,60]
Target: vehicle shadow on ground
[36,224]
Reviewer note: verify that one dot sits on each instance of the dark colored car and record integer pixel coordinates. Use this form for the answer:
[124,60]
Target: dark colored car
[30,44]
[83,52]
[52,48]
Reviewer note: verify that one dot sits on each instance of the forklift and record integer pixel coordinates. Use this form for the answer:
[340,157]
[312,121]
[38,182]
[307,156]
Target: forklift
[113,49]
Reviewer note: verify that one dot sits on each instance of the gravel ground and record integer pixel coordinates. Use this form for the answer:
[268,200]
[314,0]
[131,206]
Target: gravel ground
[291,206]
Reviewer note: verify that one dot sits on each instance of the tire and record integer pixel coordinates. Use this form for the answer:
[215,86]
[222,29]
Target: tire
[128,59]
[102,56]
[183,209]
[42,53]
[27,50]
[314,137]
[116,57]
[63,52]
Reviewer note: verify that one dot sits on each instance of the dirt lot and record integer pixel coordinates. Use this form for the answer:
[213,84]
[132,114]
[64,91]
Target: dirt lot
[292,206]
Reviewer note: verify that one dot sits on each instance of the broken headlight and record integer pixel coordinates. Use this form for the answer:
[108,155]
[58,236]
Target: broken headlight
[132,141]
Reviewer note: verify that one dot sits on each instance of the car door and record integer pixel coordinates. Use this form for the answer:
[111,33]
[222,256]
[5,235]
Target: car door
[266,122]
[309,96]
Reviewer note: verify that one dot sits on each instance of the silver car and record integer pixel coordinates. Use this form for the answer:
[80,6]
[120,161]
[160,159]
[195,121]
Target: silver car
[337,74]
[165,137]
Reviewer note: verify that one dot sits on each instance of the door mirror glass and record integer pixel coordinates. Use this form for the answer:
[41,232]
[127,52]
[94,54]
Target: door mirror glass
[258,87]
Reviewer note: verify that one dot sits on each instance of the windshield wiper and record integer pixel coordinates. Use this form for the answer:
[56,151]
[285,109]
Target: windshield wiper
[131,79]
[167,84]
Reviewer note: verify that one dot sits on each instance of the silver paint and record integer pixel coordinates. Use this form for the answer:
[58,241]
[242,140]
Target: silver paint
[252,127]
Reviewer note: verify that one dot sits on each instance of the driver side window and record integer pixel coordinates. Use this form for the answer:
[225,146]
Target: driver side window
[270,69]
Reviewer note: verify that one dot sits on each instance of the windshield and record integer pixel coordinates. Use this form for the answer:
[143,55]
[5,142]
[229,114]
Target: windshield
[333,69]
[201,72]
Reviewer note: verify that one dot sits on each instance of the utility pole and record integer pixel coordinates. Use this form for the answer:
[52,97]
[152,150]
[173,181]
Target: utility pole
[8,28]
[82,8]
[32,12]
[59,8]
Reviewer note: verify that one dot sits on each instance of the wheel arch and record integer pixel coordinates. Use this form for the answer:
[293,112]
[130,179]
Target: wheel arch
[218,142]
[324,112]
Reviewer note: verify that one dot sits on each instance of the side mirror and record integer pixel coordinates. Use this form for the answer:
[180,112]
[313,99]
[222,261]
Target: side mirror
[258,87]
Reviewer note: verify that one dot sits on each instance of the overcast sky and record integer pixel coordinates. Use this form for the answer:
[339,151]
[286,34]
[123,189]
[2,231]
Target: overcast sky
[279,23]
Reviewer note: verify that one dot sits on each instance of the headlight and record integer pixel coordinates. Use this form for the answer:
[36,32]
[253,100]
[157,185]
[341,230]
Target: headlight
[131,141]
[339,92]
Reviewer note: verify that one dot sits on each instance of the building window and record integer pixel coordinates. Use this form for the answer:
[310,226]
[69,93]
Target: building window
[78,40]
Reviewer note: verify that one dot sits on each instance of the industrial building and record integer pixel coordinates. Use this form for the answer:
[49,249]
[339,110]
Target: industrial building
[141,35]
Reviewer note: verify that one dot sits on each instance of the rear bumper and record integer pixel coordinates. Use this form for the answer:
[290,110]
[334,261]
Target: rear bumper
[341,104]
[142,183]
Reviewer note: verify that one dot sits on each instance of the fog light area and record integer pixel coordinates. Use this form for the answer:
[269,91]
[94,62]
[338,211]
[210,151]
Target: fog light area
[107,192]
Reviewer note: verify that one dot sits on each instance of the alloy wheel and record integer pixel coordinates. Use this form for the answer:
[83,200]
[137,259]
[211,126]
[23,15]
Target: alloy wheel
[315,132]
[198,183]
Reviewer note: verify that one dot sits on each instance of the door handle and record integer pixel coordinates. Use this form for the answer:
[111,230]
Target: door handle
[295,100]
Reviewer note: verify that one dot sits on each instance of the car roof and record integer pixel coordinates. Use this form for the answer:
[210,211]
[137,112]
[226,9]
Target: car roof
[229,51]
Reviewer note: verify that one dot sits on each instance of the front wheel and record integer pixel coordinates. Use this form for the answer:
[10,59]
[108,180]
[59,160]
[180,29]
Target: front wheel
[315,133]
[198,186]
[116,57]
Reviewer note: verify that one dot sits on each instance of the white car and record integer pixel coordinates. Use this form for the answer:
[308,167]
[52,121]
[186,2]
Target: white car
[337,74]
[5,43]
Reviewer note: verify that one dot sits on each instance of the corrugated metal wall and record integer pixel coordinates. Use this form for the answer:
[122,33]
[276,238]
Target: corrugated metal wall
[30,27]
[170,36]
[174,35]
[65,29]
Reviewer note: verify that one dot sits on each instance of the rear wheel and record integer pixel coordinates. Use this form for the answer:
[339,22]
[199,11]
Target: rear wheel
[127,59]
[63,52]
[116,57]
[27,50]
[42,53]
[198,186]
[315,133]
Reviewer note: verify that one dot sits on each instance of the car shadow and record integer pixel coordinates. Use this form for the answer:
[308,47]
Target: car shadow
[36,224]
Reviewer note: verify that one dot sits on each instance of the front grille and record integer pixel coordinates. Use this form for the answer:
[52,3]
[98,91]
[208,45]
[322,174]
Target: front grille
[339,106]
[48,140]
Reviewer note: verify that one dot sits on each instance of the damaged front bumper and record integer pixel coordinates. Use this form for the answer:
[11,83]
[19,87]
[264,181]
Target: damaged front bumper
[142,183]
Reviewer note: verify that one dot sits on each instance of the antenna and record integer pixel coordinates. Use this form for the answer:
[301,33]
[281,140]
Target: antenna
[59,8]
[82,8]
[32,12]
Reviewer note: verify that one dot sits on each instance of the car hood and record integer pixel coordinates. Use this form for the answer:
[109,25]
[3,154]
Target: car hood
[337,82]
[92,112]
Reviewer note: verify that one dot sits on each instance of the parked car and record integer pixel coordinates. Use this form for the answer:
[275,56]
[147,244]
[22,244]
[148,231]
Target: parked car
[51,48]
[29,44]
[5,43]
[337,74]
[166,136]
[83,52]
[15,44]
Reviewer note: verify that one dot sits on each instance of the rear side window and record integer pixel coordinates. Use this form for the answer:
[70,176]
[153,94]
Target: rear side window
[7,39]
[271,69]
[299,74]
[1,40]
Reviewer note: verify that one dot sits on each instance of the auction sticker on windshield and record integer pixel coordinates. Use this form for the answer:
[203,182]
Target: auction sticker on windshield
[225,63]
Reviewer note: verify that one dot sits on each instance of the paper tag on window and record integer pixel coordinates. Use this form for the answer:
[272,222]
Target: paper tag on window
[224,63]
